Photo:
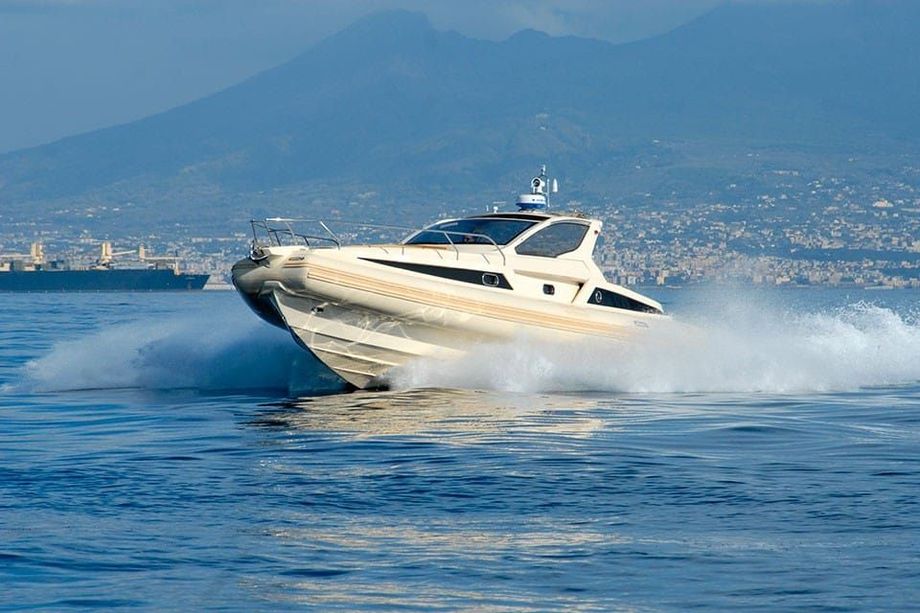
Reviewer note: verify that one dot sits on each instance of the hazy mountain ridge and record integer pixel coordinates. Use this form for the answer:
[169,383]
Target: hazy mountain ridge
[390,101]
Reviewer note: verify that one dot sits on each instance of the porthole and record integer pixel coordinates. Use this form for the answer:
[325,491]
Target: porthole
[612,299]
[490,279]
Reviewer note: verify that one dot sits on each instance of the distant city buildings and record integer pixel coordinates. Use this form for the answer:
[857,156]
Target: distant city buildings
[824,231]
[780,227]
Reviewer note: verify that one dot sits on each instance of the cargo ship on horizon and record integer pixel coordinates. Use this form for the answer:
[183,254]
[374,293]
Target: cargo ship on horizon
[31,273]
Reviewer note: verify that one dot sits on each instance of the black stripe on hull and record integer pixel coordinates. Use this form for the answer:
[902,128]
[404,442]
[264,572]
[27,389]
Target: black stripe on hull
[484,278]
[604,297]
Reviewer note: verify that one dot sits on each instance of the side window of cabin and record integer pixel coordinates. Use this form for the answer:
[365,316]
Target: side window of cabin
[555,240]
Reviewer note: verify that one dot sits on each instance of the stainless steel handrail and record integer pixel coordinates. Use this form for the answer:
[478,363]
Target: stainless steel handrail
[317,220]
[274,234]
[447,234]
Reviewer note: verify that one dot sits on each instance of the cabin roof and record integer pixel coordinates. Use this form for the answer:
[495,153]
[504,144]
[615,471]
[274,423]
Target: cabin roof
[530,215]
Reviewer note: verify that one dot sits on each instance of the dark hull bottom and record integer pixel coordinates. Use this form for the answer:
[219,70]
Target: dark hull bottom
[100,281]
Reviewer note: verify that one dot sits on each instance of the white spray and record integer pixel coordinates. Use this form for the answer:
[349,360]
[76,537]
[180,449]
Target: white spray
[202,351]
[736,346]
[742,348]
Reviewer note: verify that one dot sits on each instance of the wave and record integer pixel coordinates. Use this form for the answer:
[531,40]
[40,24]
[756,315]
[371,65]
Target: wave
[204,351]
[746,347]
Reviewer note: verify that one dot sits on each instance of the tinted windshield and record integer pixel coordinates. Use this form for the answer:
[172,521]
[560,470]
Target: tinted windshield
[502,231]
[555,240]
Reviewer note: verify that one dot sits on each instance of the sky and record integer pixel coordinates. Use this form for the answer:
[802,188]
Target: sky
[70,66]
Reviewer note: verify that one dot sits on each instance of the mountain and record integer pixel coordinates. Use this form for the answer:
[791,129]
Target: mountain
[395,105]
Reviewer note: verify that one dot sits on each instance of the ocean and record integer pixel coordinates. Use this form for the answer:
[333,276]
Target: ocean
[173,452]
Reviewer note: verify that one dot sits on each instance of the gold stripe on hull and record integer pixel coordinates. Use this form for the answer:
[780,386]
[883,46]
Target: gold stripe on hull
[455,303]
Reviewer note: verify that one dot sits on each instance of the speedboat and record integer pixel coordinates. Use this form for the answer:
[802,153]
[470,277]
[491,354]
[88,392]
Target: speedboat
[363,310]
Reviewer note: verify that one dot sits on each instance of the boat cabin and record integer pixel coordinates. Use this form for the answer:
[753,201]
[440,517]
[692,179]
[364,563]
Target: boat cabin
[529,234]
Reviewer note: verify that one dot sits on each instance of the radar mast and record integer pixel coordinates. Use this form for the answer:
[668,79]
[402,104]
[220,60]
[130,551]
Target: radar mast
[540,189]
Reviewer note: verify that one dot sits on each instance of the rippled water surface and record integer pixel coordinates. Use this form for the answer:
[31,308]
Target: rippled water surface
[171,452]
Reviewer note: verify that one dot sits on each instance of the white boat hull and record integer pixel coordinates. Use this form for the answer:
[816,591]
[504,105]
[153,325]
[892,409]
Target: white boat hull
[362,319]
[358,345]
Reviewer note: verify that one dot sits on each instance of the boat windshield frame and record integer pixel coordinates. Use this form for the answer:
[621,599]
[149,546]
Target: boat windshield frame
[471,231]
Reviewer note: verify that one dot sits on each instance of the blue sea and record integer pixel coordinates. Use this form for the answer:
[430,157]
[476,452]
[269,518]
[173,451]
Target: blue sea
[173,452]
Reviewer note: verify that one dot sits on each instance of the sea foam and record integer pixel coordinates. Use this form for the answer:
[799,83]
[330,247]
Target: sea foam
[203,351]
[745,347]
[740,346]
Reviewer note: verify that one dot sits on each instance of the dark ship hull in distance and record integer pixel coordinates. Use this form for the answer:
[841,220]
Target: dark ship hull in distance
[100,280]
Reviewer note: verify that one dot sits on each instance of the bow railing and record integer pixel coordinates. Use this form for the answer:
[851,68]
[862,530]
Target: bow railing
[283,231]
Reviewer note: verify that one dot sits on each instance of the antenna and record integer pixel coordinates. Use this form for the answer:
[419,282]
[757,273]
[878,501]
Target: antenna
[540,190]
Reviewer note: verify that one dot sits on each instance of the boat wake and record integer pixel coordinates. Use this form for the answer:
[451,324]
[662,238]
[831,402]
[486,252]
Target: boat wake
[207,352]
[746,348]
